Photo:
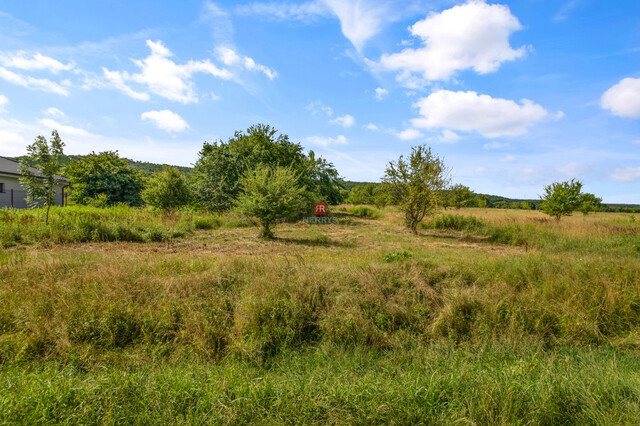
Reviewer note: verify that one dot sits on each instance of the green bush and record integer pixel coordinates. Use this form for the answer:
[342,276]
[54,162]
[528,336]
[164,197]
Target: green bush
[397,256]
[364,211]
[455,222]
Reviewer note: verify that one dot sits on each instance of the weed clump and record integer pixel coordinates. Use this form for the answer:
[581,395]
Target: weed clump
[397,256]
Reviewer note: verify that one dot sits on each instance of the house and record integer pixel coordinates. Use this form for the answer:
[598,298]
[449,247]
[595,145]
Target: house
[12,195]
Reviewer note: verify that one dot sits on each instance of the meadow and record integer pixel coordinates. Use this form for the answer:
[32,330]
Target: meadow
[125,315]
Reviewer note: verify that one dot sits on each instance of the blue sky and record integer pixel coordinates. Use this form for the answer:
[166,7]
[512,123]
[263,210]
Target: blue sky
[513,94]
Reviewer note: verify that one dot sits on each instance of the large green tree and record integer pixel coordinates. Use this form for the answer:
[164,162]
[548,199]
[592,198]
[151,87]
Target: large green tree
[45,156]
[416,185]
[107,174]
[216,174]
[270,194]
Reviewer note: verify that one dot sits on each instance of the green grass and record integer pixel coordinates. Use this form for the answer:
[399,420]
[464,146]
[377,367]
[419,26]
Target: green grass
[357,323]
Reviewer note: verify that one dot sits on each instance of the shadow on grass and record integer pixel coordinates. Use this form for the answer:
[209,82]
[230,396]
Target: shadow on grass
[467,238]
[314,242]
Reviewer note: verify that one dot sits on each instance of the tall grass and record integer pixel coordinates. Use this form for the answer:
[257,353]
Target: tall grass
[78,224]
[374,325]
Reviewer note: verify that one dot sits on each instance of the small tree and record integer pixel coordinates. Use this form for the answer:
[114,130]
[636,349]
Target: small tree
[589,203]
[167,189]
[561,198]
[45,156]
[270,194]
[416,186]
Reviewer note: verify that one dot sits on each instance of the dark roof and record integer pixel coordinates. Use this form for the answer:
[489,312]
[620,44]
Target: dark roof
[12,167]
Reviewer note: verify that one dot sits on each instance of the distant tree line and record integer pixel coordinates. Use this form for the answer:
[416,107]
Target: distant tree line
[265,175]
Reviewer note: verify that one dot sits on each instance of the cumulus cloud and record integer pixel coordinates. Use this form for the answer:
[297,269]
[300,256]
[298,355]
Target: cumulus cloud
[381,93]
[160,75]
[623,99]
[468,111]
[409,134]
[371,126]
[474,35]
[325,141]
[166,120]
[4,101]
[37,61]
[626,174]
[344,120]
[360,19]
[29,82]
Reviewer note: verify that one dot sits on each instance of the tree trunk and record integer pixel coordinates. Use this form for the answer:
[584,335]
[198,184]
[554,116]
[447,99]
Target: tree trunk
[46,221]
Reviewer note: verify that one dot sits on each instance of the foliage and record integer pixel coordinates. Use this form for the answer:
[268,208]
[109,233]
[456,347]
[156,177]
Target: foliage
[456,223]
[105,173]
[562,198]
[589,203]
[458,196]
[364,211]
[45,156]
[369,193]
[416,185]
[270,194]
[167,189]
[216,175]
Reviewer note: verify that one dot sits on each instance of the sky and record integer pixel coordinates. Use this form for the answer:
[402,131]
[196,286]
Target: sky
[513,95]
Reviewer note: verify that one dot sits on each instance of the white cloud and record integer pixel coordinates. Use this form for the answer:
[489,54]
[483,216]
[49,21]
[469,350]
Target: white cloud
[371,126]
[626,174]
[116,78]
[324,141]
[381,93]
[495,145]
[448,136]
[37,61]
[163,77]
[41,84]
[64,129]
[360,19]
[409,134]
[468,111]
[53,112]
[231,58]
[344,120]
[474,35]
[318,107]
[166,120]
[623,99]
[4,101]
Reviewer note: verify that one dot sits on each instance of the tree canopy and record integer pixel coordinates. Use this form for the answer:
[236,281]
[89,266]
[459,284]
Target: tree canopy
[107,174]
[216,174]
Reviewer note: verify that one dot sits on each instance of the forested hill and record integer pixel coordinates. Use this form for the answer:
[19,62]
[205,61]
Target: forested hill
[143,166]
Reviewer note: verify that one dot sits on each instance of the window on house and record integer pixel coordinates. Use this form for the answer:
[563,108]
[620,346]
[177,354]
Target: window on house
[1,187]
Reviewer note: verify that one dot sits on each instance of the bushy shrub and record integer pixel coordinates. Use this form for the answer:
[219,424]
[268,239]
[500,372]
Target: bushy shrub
[364,211]
[456,223]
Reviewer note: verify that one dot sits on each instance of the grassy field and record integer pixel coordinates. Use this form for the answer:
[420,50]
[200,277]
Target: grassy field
[487,316]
